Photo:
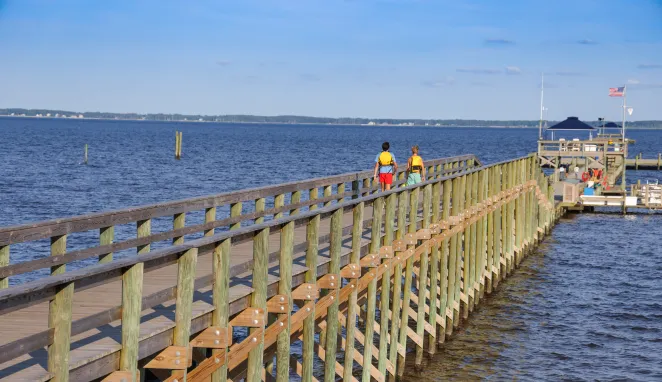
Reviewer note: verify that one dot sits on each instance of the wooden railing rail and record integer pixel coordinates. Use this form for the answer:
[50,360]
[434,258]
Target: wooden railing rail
[449,238]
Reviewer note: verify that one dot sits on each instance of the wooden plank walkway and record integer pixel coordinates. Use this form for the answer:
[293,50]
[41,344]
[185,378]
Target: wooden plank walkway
[102,341]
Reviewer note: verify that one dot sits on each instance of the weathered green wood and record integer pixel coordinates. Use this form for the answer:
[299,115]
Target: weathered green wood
[354,257]
[340,191]
[384,301]
[295,198]
[467,250]
[445,300]
[143,229]
[279,201]
[312,248]
[434,272]
[328,191]
[396,306]
[132,289]
[4,261]
[285,289]
[375,243]
[258,300]
[335,247]
[59,318]
[479,246]
[458,263]
[210,216]
[423,277]
[366,187]
[489,262]
[406,290]
[178,221]
[453,255]
[221,299]
[106,237]
[356,189]
[260,205]
[186,265]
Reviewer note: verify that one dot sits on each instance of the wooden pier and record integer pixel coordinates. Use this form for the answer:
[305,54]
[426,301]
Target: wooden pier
[318,279]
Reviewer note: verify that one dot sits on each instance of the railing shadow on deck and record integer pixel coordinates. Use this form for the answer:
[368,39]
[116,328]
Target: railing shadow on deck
[473,191]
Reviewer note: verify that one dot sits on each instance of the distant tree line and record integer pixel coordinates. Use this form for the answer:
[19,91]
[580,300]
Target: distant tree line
[241,118]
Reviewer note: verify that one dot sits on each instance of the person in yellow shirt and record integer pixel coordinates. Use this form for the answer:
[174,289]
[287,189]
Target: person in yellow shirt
[415,168]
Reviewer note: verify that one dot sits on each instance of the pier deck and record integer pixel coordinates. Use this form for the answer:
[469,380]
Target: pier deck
[230,302]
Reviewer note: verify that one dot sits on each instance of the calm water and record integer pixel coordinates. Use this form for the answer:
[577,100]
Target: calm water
[581,308]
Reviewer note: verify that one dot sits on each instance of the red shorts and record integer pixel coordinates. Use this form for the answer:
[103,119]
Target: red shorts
[386,178]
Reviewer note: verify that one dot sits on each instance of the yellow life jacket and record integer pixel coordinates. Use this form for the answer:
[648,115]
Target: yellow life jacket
[385,159]
[416,163]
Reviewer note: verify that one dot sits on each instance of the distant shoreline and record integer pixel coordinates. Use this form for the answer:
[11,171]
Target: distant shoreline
[292,120]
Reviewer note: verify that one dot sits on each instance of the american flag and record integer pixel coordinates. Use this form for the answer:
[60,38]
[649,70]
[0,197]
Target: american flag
[616,92]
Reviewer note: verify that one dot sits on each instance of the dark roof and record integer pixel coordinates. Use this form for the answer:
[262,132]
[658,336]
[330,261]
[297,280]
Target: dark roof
[571,123]
[611,125]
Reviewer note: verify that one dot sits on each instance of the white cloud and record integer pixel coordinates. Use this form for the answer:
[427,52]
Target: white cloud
[633,81]
[513,70]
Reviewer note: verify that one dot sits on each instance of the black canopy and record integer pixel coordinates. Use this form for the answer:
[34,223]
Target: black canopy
[571,123]
[611,125]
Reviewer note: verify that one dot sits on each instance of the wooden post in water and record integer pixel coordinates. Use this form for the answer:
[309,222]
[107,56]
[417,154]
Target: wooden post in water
[178,144]
[85,156]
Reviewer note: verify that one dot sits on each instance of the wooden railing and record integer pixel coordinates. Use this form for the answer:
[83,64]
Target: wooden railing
[598,147]
[138,223]
[460,233]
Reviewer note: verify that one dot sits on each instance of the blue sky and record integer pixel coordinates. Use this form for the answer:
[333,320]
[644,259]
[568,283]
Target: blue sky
[359,58]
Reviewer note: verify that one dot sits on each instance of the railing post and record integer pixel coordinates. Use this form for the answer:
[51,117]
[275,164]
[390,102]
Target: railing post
[178,221]
[279,201]
[59,318]
[4,261]
[466,261]
[335,246]
[404,317]
[396,305]
[375,243]
[462,185]
[434,274]
[260,206]
[221,300]
[445,301]
[285,289]
[354,257]
[106,237]
[295,199]
[423,278]
[186,266]
[132,289]
[498,216]
[258,300]
[384,300]
[312,240]
[489,240]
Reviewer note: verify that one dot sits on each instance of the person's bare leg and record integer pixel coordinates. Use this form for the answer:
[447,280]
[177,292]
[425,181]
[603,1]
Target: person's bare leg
[388,186]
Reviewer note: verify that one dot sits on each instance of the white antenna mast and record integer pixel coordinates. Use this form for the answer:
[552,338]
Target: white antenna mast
[542,93]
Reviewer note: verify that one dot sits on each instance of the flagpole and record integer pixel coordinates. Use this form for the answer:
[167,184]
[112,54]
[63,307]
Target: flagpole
[542,93]
[624,103]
